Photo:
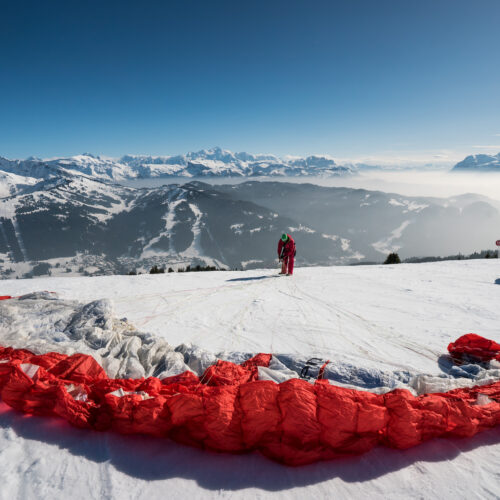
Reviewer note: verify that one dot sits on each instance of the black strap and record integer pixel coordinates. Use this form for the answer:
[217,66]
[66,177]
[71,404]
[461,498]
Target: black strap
[310,363]
[282,251]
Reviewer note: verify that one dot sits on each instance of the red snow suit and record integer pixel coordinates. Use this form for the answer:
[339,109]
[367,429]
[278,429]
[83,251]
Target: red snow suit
[286,251]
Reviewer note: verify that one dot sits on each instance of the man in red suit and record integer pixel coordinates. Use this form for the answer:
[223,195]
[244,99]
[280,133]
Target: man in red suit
[286,254]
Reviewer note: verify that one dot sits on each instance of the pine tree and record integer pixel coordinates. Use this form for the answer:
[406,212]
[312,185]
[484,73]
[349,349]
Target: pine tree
[156,270]
[393,258]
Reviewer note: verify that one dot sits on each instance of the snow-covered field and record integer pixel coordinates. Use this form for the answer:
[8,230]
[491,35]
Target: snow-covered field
[382,319]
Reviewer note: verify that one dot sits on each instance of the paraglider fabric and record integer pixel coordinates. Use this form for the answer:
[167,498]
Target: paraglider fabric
[228,409]
[474,346]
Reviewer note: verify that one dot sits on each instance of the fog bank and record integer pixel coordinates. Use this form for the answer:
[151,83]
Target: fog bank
[437,183]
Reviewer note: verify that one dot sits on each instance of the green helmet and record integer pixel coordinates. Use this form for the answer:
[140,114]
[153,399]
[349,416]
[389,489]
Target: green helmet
[284,237]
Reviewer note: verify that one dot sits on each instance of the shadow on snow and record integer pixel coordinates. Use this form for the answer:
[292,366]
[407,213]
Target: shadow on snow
[252,278]
[152,459]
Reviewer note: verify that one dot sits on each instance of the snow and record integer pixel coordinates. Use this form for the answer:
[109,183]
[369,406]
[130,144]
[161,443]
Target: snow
[387,245]
[411,206]
[345,244]
[480,162]
[375,323]
[175,199]
[105,201]
[195,249]
[301,229]
[214,162]
[237,228]
[96,167]
[246,263]
[12,184]
[19,238]
[332,237]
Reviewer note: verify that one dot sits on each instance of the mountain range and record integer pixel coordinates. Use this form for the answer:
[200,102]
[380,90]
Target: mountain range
[214,162]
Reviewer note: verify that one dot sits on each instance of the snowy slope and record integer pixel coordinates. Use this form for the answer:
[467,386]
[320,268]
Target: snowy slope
[95,167]
[30,167]
[377,317]
[13,184]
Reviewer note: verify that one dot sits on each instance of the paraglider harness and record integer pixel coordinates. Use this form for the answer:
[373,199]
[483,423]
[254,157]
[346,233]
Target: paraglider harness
[314,363]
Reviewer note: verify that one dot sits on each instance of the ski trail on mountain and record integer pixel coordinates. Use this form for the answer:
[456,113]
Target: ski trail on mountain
[19,238]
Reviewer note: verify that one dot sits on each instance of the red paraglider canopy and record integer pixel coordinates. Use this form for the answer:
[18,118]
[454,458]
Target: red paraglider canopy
[476,347]
[229,410]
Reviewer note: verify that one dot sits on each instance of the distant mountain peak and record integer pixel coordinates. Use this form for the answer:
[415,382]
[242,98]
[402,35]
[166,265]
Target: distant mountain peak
[479,163]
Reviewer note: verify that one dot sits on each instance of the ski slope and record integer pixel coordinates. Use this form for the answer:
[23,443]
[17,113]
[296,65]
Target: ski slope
[364,318]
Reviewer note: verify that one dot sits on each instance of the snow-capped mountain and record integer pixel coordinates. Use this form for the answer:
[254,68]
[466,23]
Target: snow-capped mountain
[32,168]
[95,166]
[479,163]
[224,163]
[214,162]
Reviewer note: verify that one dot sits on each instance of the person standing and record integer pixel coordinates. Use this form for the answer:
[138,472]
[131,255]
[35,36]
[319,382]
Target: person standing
[286,254]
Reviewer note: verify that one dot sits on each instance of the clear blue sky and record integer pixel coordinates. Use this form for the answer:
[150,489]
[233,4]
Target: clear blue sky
[349,78]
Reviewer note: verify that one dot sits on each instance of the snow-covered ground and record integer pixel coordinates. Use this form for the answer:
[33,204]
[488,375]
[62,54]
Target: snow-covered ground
[382,318]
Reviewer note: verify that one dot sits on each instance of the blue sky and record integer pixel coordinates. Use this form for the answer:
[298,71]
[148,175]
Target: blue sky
[354,79]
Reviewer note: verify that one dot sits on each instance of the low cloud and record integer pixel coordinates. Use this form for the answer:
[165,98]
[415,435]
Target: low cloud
[416,182]
[494,147]
[409,159]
